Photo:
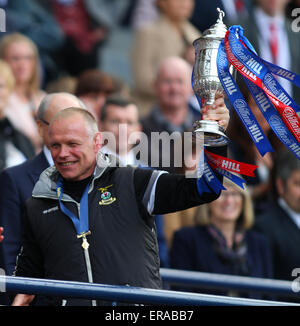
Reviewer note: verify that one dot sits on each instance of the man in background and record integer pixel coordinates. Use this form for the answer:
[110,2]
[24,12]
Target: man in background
[281,220]
[172,114]
[119,120]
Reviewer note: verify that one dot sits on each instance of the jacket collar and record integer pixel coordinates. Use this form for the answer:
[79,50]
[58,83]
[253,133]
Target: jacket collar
[46,185]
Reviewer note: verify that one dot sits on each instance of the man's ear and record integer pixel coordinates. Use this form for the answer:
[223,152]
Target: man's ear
[40,128]
[98,141]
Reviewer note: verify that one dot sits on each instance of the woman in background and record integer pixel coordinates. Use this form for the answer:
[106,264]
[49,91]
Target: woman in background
[15,147]
[23,57]
[222,242]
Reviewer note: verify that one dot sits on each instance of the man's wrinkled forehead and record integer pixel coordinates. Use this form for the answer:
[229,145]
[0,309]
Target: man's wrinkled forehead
[68,130]
[67,122]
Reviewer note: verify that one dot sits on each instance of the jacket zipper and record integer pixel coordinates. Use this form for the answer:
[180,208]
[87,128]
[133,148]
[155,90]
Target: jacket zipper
[86,251]
[87,261]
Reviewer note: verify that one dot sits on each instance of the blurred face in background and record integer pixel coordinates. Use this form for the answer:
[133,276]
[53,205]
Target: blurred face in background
[21,58]
[173,85]
[228,207]
[176,10]
[290,190]
[122,122]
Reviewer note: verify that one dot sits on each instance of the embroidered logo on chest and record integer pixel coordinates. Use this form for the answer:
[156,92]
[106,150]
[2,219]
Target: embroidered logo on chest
[106,196]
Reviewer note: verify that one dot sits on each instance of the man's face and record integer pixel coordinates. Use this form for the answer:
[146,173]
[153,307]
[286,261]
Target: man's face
[72,148]
[290,192]
[173,86]
[121,122]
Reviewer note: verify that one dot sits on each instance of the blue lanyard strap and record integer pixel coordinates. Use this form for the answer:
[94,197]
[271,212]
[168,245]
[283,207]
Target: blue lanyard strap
[81,224]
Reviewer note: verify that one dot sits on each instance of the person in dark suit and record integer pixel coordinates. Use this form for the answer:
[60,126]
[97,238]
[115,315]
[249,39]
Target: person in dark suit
[117,113]
[17,182]
[281,222]
[222,242]
[205,12]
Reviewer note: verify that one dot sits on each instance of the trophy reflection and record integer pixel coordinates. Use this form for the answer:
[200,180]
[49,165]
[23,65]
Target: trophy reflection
[206,83]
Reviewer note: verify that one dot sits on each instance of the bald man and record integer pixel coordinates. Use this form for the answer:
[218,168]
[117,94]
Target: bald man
[172,113]
[90,221]
[17,182]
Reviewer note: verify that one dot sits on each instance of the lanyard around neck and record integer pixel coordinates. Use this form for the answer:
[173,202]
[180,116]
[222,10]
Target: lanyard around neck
[81,224]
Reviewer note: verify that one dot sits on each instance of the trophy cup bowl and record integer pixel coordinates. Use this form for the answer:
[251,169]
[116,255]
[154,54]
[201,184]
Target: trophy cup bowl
[206,83]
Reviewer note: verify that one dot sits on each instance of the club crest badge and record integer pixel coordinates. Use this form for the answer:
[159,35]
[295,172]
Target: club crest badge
[106,196]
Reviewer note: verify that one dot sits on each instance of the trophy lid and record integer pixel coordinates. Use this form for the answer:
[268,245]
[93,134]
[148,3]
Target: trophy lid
[218,30]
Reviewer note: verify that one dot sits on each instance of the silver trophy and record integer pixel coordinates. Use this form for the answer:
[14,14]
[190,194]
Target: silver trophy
[206,83]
